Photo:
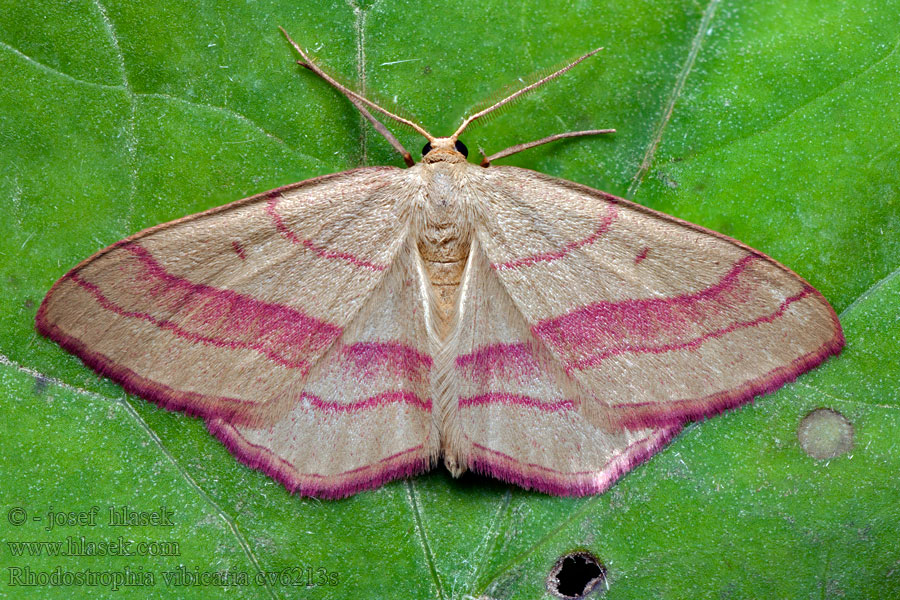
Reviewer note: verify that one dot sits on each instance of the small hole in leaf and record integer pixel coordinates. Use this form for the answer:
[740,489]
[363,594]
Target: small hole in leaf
[825,433]
[575,575]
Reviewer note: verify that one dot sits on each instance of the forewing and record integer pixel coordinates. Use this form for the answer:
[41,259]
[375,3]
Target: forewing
[519,411]
[662,320]
[251,312]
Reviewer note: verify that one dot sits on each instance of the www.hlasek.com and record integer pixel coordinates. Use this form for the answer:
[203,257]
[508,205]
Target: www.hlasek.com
[81,546]
[178,577]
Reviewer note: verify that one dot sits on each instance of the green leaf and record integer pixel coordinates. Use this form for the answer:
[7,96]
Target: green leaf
[775,123]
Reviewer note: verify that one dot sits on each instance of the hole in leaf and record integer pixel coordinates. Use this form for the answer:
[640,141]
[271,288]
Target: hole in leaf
[825,433]
[575,575]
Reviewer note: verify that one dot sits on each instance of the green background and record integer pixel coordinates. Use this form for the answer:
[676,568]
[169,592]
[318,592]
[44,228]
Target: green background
[775,123]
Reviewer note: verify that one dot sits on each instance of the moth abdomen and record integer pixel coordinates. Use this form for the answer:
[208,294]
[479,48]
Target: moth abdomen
[444,258]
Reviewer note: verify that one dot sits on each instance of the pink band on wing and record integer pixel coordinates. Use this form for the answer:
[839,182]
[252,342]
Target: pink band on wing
[516,399]
[636,415]
[498,361]
[295,239]
[605,222]
[596,359]
[374,358]
[218,317]
[394,397]
[603,326]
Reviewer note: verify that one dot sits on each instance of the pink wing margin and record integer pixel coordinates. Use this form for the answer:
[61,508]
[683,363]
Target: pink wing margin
[632,323]
[281,319]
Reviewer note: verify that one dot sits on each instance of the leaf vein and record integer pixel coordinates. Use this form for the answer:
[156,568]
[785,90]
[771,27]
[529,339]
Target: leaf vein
[57,72]
[877,286]
[847,400]
[130,135]
[491,538]
[693,52]
[234,114]
[232,526]
[784,118]
[418,521]
[549,535]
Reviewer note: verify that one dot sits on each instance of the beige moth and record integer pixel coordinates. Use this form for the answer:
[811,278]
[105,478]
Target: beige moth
[354,328]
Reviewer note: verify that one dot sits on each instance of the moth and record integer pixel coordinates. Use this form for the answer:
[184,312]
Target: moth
[359,327]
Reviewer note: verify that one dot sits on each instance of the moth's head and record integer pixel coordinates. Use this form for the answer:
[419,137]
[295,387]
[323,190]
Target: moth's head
[448,149]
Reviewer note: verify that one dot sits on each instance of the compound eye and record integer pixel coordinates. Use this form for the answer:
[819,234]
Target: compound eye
[461,148]
[426,148]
